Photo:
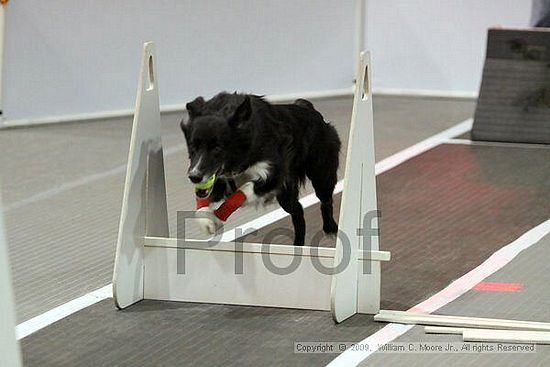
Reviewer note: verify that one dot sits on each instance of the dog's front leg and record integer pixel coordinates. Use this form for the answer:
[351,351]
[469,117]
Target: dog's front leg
[210,221]
[248,190]
[245,194]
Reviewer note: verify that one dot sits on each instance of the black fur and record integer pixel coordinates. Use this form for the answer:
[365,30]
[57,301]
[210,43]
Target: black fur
[232,132]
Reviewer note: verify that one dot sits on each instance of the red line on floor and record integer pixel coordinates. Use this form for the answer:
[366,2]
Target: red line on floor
[498,287]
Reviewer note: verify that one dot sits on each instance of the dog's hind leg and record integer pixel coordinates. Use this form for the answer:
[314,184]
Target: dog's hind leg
[322,172]
[288,199]
[324,187]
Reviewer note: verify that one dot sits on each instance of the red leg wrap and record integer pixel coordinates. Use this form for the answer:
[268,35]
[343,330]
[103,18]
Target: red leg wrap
[202,202]
[231,204]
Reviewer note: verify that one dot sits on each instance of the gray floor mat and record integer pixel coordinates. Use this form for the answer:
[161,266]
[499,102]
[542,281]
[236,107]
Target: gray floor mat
[435,227]
[185,334]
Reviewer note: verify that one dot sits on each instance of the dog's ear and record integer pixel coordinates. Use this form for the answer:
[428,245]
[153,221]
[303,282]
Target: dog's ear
[242,113]
[194,108]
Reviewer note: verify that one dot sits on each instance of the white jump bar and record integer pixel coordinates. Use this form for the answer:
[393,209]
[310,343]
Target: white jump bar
[493,335]
[506,336]
[250,247]
[402,317]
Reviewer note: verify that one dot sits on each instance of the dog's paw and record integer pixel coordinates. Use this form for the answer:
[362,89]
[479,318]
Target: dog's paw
[330,228]
[208,222]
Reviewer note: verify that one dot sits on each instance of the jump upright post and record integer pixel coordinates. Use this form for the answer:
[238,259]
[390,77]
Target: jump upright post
[146,263]
[9,347]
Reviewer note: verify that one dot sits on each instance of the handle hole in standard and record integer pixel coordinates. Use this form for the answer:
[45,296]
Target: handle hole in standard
[151,68]
[365,87]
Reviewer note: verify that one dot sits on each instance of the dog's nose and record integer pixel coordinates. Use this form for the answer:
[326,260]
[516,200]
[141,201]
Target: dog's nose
[195,178]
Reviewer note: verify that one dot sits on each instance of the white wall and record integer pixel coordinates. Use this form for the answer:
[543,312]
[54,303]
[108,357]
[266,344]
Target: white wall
[435,45]
[70,57]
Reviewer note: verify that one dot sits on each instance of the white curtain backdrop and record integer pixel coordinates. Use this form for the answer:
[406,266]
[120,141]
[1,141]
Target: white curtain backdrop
[435,45]
[71,57]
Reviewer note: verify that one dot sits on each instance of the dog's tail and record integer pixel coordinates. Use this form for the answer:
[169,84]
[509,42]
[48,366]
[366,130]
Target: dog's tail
[304,103]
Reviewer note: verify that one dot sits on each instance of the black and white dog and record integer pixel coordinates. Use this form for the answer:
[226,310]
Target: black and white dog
[274,147]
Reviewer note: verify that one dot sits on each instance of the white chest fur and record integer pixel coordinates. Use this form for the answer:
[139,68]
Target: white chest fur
[257,172]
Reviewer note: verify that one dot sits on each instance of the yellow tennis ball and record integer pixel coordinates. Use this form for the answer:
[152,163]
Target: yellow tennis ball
[206,185]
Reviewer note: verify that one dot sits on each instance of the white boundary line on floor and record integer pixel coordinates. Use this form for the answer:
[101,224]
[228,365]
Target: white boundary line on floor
[43,320]
[47,318]
[392,161]
[86,180]
[457,288]
[423,146]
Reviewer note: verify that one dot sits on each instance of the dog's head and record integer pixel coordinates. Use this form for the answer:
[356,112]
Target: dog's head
[213,127]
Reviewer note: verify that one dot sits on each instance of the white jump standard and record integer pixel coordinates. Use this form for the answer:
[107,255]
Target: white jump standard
[10,354]
[146,263]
